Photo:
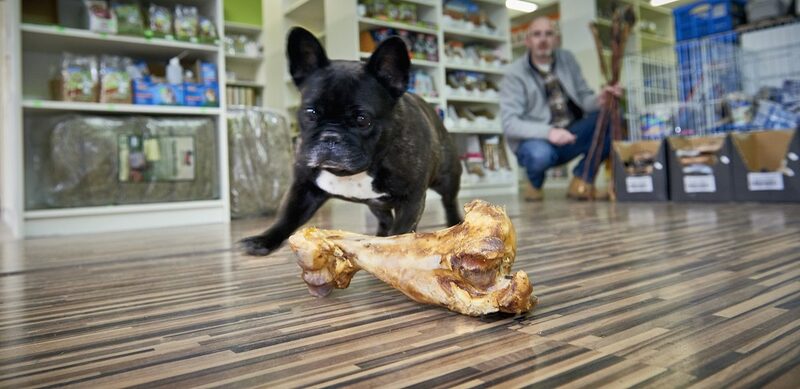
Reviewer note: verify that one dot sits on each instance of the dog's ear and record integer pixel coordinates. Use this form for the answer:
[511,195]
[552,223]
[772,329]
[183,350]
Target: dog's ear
[305,53]
[390,65]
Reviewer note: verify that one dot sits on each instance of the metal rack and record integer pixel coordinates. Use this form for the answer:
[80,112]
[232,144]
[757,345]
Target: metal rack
[717,84]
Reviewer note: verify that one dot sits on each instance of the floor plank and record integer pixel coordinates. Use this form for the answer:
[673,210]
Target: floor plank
[631,294]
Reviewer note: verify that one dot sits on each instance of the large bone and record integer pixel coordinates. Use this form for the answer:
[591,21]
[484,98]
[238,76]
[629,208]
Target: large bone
[464,268]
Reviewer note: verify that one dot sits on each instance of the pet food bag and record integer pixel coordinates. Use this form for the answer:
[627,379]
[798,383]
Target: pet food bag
[84,161]
[260,161]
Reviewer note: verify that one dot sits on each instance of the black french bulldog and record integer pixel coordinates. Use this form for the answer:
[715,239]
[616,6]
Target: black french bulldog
[363,139]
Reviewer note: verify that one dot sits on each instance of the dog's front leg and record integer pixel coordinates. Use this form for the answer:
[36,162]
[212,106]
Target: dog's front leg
[407,215]
[302,201]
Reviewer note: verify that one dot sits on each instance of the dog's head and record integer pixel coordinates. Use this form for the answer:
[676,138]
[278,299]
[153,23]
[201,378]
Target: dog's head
[345,106]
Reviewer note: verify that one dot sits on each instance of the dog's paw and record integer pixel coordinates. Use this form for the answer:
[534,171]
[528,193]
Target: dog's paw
[259,245]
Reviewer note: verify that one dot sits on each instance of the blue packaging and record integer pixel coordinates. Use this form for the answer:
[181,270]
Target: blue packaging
[211,95]
[167,94]
[207,72]
[199,95]
[194,94]
[142,91]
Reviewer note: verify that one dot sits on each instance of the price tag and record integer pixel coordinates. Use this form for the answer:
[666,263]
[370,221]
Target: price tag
[764,181]
[699,184]
[103,35]
[60,28]
[37,103]
[111,107]
[640,184]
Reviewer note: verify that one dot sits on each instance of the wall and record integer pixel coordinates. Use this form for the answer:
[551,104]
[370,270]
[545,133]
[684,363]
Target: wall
[576,37]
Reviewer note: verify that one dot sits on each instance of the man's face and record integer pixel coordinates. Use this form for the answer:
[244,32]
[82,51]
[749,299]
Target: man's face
[541,38]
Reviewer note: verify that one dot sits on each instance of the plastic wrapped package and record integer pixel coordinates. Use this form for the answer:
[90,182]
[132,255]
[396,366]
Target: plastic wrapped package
[261,160]
[83,161]
[72,161]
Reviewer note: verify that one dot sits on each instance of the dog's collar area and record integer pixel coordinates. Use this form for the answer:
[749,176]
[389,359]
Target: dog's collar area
[356,186]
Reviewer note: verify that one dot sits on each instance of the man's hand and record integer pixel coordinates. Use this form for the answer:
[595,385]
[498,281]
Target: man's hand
[560,136]
[609,90]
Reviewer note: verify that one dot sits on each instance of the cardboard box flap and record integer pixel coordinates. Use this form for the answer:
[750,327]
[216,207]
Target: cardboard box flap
[626,150]
[763,151]
[706,144]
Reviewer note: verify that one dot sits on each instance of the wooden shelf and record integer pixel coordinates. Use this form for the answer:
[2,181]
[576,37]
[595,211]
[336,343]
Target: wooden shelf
[242,28]
[116,209]
[467,99]
[449,31]
[60,39]
[107,218]
[243,59]
[367,23]
[414,61]
[459,130]
[471,68]
[49,105]
[247,84]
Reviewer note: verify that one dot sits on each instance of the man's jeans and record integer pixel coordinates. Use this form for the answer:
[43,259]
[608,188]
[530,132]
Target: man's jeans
[538,155]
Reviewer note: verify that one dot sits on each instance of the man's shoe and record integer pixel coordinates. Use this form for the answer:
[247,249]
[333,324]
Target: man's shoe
[580,190]
[529,193]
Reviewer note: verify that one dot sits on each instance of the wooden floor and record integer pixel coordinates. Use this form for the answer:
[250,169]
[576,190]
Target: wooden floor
[647,295]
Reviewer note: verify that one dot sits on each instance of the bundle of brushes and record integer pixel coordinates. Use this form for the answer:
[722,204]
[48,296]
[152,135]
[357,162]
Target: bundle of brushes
[610,117]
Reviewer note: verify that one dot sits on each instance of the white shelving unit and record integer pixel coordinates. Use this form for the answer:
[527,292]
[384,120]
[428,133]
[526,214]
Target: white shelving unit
[338,21]
[66,106]
[249,69]
[31,52]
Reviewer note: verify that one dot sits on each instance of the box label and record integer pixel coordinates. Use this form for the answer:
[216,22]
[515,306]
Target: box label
[156,159]
[764,181]
[699,184]
[641,184]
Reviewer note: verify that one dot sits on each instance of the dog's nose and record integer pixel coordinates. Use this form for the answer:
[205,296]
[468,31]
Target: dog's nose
[330,137]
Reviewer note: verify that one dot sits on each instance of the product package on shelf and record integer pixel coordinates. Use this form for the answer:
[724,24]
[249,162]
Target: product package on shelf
[699,168]
[471,84]
[766,165]
[78,80]
[200,90]
[187,20]
[420,46]
[115,81]
[240,95]
[237,44]
[474,54]
[100,17]
[129,17]
[159,22]
[84,161]
[393,11]
[468,15]
[260,150]
[421,83]
[485,159]
[640,170]
[471,119]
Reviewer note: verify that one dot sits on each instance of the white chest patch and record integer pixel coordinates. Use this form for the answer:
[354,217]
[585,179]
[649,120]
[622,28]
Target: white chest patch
[357,186]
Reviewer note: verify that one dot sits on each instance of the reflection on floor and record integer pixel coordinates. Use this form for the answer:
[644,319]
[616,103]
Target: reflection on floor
[656,295]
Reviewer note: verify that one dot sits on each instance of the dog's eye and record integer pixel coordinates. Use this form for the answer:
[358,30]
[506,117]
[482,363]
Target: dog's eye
[310,115]
[363,120]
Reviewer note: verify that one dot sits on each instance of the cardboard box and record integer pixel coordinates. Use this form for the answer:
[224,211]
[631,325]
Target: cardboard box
[699,169]
[640,171]
[766,165]
[199,95]
[142,92]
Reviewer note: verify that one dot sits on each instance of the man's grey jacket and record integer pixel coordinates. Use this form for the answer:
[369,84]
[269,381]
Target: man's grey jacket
[523,104]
